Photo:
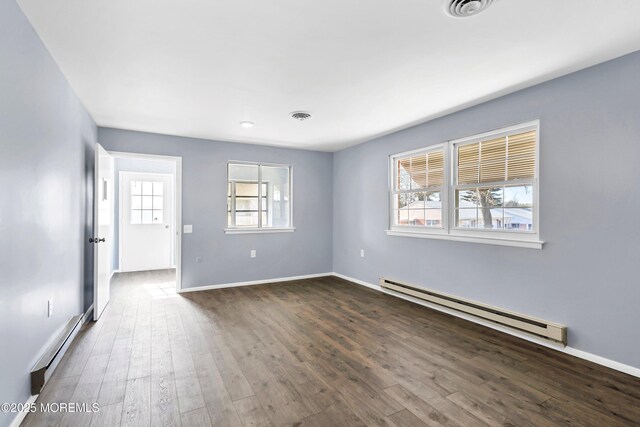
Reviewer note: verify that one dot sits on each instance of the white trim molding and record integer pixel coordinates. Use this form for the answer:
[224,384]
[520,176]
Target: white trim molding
[259,230]
[599,360]
[20,416]
[87,314]
[177,182]
[254,282]
[531,244]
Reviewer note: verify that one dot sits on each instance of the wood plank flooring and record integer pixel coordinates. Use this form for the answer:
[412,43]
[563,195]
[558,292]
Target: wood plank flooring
[319,352]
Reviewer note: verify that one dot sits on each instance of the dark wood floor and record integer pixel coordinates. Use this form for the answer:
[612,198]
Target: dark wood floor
[319,352]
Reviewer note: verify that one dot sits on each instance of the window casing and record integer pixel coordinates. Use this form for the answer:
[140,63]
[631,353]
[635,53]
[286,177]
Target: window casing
[490,192]
[258,197]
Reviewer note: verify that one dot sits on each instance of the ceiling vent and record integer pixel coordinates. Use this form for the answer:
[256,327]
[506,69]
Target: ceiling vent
[301,115]
[466,8]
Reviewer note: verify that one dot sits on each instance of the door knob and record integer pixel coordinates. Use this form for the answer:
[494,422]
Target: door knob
[96,240]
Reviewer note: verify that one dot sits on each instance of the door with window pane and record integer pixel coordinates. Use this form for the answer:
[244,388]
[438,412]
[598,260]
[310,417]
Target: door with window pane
[146,226]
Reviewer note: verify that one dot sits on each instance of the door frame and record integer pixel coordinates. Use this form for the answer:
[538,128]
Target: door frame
[177,191]
[173,224]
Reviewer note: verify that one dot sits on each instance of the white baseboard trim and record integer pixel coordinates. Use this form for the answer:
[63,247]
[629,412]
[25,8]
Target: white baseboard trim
[627,369]
[20,416]
[87,314]
[254,282]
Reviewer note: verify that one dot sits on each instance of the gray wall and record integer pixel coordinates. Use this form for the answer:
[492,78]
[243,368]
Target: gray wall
[587,274]
[131,165]
[204,204]
[46,169]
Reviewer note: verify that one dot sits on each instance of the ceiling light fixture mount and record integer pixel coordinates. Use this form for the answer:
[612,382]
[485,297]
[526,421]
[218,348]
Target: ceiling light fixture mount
[246,124]
[301,115]
[465,8]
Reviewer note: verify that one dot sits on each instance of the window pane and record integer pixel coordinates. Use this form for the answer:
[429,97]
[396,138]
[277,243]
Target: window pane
[246,189]
[146,217]
[522,145]
[136,217]
[433,218]
[468,174]
[416,217]
[479,197]
[136,188]
[418,172]
[158,217]
[468,159]
[158,202]
[467,198]
[494,150]
[276,201]
[521,167]
[147,188]
[435,177]
[467,218]
[404,178]
[246,204]
[158,188]
[246,219]
[520,196]
[433,199]
[401,216]
[492,171]
[136,202]
[239,172]
[520,219]
[492,219]
[147,202]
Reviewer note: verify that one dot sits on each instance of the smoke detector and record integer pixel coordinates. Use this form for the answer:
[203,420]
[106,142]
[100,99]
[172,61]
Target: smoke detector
[466,8]
[300,115]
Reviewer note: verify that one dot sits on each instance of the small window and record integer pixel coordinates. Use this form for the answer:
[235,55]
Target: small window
[258,196]
[147,202]
[485,187]
[417,193]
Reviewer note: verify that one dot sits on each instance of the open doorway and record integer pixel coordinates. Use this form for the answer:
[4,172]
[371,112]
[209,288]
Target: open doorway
[147,213]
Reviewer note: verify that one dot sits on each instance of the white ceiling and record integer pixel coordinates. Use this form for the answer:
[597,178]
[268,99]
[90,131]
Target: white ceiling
[363,68]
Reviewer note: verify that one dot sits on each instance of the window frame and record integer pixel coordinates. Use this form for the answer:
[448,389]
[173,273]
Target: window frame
[443,189]
[449,231]
[233,229]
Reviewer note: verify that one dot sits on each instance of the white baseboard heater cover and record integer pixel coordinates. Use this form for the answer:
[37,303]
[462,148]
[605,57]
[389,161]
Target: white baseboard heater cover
[48,362]
[541,328]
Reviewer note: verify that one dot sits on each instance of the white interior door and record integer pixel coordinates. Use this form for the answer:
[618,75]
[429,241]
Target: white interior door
[103,224]
[146,221]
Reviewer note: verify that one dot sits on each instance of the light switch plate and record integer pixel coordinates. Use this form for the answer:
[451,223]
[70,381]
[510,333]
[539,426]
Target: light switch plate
[188,229]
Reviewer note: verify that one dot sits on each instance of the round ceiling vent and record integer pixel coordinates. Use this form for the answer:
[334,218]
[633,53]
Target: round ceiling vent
[301,115]
[466,8]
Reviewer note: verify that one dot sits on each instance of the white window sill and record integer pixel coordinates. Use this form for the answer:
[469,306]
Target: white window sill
[520,243]
[259,230]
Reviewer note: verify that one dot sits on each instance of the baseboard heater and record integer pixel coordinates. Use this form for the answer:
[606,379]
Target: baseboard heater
[541,328]
[48,362]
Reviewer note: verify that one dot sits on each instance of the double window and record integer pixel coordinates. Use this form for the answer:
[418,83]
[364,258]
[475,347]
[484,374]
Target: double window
[258,197]
[481,187]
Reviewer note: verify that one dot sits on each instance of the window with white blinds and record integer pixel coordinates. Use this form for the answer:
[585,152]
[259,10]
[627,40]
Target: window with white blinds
[491,190]
[417,193]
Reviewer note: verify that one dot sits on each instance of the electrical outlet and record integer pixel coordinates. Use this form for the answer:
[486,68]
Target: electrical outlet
[187,229]
[50,308]
[361,253]
[253,253]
